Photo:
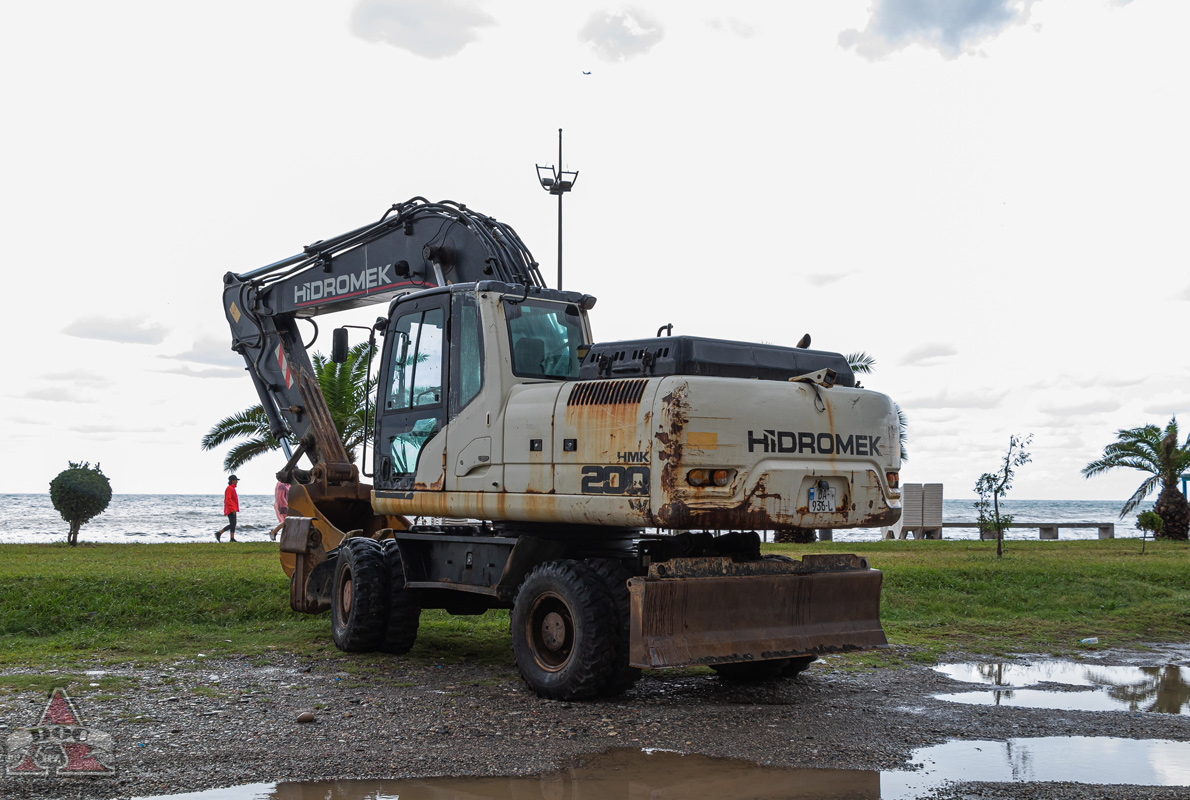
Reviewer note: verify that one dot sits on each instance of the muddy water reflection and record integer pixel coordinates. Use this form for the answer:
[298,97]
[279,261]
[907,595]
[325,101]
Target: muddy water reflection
[1081,759]
[616,775]
[629,774]
[1164,690]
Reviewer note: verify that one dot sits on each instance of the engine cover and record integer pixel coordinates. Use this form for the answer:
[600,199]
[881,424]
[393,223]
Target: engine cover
[692,355]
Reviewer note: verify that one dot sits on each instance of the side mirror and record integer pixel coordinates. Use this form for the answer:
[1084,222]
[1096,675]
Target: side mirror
[339,345]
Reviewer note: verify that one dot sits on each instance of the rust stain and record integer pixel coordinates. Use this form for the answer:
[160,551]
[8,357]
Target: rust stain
[436,486]
[746,513]
[753,512]
[675,412]
[604,510]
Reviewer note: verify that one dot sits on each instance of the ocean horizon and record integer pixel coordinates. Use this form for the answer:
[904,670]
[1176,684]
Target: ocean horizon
[155,518]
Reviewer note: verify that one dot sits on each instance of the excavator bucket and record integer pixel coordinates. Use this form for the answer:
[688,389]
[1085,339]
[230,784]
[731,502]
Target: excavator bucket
[707,611]
[337,509]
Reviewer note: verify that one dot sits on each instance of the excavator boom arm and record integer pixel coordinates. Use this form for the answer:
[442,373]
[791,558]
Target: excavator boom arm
[415,245]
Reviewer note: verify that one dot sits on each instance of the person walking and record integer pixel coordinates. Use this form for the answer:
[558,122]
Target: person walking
[280,506]
[231,504]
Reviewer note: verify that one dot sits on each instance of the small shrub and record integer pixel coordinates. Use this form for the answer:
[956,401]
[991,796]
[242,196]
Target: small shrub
[1149,522]
[80,494]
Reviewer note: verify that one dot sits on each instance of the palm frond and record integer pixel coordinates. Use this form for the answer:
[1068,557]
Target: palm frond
[245,451]
[1140,494]
[861,363]
[903,427]
[249,422]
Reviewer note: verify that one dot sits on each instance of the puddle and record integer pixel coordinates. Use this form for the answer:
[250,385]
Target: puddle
[628,774]
[1080,759]
[1161,690]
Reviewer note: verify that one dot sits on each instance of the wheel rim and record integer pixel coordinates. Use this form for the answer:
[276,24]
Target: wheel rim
[550,632]
[345,596]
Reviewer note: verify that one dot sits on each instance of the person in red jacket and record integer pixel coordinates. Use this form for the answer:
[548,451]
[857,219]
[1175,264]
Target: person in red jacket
[231,504]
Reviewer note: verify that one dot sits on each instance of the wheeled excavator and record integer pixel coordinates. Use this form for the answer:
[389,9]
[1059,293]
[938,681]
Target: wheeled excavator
[610,494]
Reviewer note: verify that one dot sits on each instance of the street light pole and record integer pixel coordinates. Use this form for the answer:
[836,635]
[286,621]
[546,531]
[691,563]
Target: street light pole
[559,182]
[560,214]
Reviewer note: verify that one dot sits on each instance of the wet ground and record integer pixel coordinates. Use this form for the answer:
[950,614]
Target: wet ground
[383,728]
[625,773]
[1074,686]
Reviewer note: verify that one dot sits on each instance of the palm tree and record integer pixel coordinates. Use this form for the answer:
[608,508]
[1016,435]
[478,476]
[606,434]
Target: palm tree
[1152,450]
[343,387]
[861,364]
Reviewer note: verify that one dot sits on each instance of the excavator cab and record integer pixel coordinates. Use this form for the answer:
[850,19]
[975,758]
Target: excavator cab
[450,355]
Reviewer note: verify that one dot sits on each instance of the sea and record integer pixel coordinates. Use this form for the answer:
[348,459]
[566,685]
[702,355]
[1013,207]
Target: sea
[195,518]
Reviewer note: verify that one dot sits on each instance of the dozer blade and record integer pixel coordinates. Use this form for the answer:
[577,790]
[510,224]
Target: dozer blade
[707,611]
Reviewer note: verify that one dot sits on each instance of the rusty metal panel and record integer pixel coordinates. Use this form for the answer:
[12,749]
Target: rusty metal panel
[298,534]
[730,619]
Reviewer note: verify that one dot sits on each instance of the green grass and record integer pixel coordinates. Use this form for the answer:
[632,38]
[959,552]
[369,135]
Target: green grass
[1040,597]
[112,603]
[69,607]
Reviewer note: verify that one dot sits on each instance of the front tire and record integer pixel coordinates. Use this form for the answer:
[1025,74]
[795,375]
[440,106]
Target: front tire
[563,627]
[404,612]
[360,596]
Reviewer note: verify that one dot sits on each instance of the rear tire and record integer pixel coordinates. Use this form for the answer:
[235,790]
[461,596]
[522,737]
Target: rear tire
[404,612]
[563,627]
[616,576]
[360,597]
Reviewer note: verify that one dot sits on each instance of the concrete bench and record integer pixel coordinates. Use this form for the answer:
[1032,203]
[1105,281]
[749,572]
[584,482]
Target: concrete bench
[1045,530]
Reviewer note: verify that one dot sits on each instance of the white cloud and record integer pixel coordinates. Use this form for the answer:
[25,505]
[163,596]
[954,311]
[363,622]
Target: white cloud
[213,372]
[1100,381]
[51,394]
[937,417]
[1064,443]
[928,354]
[1167,408]
[738,27]
[620,35]
[1087,407]
[92,380]
[105,428]
[945,399]
[125,330]
[952,27]
[427,28]
[826,279]
[211,350]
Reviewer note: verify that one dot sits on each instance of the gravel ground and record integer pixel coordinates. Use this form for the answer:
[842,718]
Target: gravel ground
[206,723]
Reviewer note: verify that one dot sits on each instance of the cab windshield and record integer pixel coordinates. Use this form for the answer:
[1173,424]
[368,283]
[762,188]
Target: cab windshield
[545,338]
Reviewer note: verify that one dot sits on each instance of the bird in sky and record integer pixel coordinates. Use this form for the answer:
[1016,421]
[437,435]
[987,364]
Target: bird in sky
[586,73]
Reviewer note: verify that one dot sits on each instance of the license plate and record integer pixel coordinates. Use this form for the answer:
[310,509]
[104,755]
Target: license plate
[822,501]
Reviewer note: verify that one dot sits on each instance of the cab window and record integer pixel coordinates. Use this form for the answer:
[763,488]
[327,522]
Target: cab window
[467,361]
[417,361]
[545,338]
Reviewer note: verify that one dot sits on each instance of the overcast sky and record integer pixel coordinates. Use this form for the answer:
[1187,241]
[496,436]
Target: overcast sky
[989,196]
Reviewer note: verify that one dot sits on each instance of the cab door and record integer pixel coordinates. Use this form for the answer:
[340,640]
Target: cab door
[410,437]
